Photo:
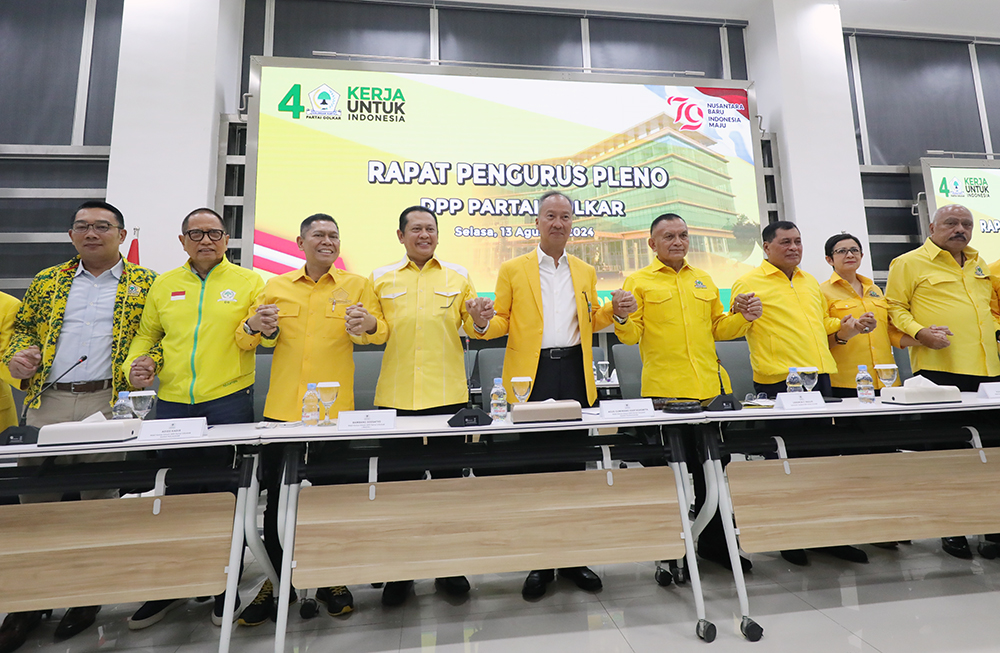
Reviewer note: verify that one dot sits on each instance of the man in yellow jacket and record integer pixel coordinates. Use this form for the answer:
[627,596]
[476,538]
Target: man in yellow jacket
[546,304]
[196,313]
[793,331]
[8,311]
[305,316]
[424,301]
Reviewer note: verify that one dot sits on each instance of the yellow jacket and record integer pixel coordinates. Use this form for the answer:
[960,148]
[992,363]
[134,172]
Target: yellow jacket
[518,306]
[678,319]
[927,288]
[793,328]
[8,311]
[197,321]
[312,344]
[869,349]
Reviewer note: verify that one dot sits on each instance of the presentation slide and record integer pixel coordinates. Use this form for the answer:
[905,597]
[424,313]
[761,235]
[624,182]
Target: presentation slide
[480,150]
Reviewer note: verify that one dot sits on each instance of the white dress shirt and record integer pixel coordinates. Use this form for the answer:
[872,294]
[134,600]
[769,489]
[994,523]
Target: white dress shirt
[561,327]
[88,326]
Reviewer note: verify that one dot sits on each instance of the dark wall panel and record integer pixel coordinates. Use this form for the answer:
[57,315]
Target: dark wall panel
[737,52]
[989,74]
[39,66]
[103,72]
[504,37]
[652,45]
[301,26]
[919,95]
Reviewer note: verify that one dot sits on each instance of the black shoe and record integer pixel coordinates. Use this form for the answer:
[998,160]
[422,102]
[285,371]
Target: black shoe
[534,584]
[75,621]
[220,607]
[264,606]
[395,593]
[849,553]
[888,546]
[796,557]
[584,578]
[338,600]
[16,628]
[992,537]
[957,546]
[152,612]
[722,558]
[989,550]
[453,585]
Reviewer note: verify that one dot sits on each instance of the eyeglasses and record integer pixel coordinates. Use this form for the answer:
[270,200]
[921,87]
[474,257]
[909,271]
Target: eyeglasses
[197,235]
[844,250]
[101,227]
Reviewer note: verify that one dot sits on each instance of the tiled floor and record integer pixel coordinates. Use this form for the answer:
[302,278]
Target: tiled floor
[913,600]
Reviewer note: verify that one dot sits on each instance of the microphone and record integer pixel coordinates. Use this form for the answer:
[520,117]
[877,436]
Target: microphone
[22,433]
[471,415]
[724,400]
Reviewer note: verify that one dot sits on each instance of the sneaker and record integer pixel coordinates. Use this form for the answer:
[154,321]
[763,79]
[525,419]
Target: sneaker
[338,600]
[220,606]
[152,612]
[264,606]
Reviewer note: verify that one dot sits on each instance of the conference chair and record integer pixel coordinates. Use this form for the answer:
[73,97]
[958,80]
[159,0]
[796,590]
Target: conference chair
[261,382]
[490,367]
[367,365]
[628,363]
[902,357]
[735,357]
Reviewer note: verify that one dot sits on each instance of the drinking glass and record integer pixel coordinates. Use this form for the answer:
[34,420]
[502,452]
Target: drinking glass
[328,392]
[603,368]
[142,402]
[521,385]
[810,377]
[887,374]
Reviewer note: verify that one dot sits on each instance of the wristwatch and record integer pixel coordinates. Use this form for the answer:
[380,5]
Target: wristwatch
[481,331]
[840,341]
[619,320]
[249,331]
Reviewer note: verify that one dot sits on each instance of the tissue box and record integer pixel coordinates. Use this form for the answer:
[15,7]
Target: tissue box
[939,394]
[85,432]
[546,411]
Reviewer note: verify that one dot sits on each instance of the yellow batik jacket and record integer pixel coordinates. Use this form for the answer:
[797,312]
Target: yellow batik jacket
[40,319]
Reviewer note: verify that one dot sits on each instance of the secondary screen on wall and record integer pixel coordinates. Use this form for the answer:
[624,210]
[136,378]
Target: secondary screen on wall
[977,189]
[482,147]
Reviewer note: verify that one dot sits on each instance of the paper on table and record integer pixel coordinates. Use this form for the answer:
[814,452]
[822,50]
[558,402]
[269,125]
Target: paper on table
[96,417]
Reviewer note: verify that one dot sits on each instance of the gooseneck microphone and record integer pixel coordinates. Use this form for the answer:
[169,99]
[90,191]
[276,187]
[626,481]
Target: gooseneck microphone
[30,399]
[23,434]
[471,415]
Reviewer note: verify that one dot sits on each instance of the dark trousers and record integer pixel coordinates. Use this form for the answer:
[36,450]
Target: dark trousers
[772,389]
[404,447]
[561,378]
[965,382]
[236,408]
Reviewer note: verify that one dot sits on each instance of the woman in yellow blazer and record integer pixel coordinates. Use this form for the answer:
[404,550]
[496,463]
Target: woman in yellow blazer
[8,411]
[849,293]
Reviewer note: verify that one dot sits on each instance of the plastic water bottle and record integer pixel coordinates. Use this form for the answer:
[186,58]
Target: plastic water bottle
[794,382]
[498,401]
[866,386]
[123,407]
[310,406]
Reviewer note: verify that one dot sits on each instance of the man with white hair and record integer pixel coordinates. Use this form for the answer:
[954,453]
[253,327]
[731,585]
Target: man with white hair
[940,294]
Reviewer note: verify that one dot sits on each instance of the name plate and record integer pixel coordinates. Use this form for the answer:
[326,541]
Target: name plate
[627,408]
[174,429]
[989,390]
[799,400]
[366,420]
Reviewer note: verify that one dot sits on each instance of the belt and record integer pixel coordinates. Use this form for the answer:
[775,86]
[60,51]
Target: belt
[80,387]
[555,353]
